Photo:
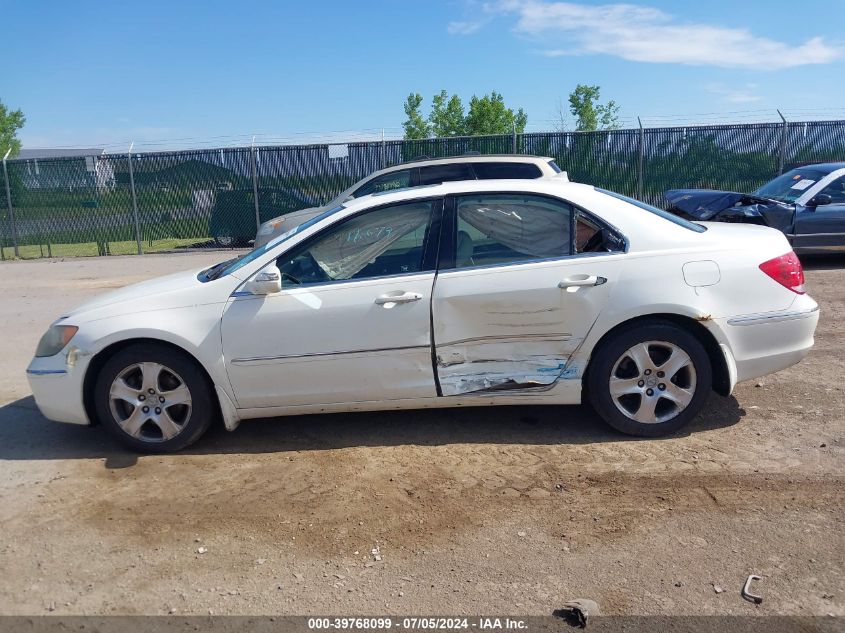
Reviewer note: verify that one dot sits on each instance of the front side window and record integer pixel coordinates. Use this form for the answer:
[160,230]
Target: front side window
[494,171]
[387,241]
[836,191]
[791,185]
[385,182]
[231,265]
[508,228]
[436,174]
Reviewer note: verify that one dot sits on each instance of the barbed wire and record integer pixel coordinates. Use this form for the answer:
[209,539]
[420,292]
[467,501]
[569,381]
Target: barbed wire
[393,133]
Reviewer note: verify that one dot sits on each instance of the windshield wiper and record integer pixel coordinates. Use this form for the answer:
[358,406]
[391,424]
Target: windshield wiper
[215,271]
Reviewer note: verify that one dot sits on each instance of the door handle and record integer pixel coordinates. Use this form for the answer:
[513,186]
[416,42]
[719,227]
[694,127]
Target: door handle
[405,297]
[582,280]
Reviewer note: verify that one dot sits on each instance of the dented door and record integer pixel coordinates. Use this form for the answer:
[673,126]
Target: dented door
[515,326]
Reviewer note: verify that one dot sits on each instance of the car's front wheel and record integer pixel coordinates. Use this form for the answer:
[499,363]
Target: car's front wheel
[154,398]
[649,379]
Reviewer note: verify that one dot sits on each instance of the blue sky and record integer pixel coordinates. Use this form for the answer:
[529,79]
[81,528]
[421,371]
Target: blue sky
[182,74]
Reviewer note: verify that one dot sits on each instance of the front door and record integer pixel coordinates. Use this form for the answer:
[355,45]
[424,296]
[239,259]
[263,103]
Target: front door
[352,323]
[517,299]
[822,228]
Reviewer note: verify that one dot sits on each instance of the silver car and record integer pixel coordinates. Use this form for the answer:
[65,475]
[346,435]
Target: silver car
[422,172]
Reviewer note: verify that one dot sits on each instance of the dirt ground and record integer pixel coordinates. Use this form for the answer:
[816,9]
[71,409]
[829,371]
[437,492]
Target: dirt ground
[485,511]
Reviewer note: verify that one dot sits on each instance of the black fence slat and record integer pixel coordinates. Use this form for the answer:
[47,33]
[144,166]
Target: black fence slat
[205,198]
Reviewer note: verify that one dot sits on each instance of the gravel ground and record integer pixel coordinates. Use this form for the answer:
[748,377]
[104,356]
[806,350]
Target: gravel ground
[473,511]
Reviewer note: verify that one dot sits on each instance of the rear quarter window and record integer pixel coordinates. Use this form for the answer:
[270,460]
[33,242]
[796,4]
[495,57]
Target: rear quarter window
[494,171]
[437,174]
[674,219]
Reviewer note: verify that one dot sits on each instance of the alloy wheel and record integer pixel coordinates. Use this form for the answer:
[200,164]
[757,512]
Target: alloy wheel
[226,241]
[652,382]
[150,402]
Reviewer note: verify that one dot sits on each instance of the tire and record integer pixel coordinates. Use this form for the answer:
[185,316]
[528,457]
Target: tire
[226,241]
[146,375]
[627,389]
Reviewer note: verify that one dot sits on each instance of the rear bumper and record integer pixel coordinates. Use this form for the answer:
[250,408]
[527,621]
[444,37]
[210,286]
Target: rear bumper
[57,387]
[762,344]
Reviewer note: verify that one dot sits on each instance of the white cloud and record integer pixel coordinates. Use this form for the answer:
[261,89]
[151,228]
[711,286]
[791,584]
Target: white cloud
[740,94]
[646,34]
[464,28]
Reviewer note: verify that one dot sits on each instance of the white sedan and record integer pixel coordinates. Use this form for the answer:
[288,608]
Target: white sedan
[461,294]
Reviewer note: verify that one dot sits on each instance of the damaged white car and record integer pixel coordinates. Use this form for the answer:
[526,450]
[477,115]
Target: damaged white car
[460,294]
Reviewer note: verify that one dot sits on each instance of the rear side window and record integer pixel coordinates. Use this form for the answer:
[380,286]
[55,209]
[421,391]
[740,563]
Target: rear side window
[493,171]
[506,228]
[437,174]
[692,226]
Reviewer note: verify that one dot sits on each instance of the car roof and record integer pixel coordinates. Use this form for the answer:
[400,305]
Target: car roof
[579,194]
[825,167]
[531,185]
[477,158]
[639,227]
[474,158]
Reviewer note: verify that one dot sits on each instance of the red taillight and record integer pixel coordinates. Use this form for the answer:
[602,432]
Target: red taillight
[787,271]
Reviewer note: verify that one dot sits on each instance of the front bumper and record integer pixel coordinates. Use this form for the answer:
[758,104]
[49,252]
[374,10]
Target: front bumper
[57,384]
[762,344]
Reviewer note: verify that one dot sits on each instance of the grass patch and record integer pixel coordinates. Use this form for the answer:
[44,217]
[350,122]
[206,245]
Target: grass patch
[91,249]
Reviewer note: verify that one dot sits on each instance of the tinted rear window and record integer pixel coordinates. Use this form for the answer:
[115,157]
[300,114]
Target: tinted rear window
[692,226]
[494,171]
[437,174]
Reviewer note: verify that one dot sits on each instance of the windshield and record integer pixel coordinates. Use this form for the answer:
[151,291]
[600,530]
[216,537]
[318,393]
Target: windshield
[229,266]
[791,185]
[692,226]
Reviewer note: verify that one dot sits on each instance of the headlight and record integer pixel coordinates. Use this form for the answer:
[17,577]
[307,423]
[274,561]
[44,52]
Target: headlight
[54,340]
[269,227]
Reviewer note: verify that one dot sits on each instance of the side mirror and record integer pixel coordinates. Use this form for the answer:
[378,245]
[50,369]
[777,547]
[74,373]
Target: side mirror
[820,200]
[267,281]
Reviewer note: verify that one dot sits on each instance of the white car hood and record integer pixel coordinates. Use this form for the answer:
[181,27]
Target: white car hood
[126,298]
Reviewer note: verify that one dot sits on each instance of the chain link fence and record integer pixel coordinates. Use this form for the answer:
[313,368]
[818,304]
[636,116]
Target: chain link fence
[118,204]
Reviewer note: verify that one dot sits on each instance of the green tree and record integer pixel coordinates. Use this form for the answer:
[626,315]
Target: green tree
[447,116]
[10,123]
[490,115]
[487,115]
[589,113]
[415,125]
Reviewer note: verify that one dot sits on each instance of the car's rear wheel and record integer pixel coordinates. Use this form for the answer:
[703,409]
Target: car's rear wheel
[650,379]
[154,398]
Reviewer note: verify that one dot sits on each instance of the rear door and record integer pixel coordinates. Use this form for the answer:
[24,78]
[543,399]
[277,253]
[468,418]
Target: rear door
[513,297]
